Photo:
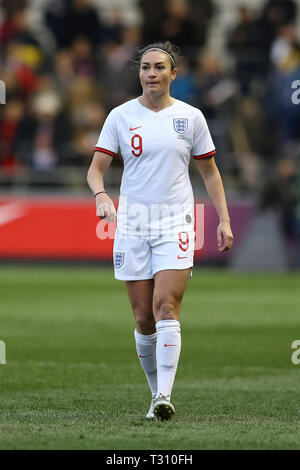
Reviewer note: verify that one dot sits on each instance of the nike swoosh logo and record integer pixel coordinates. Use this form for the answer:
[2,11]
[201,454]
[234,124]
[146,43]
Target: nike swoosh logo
[10,212]
[166,345]
[181,257]
[134,128]
[145,356]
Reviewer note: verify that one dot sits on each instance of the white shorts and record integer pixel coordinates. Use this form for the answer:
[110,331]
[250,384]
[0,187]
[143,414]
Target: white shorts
[136,259]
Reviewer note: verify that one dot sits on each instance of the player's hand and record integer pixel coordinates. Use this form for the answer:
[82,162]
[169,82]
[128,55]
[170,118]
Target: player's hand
[105,208]
[224,236]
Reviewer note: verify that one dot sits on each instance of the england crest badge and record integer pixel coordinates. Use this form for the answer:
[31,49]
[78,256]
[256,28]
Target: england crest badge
[119,257]
[180,125]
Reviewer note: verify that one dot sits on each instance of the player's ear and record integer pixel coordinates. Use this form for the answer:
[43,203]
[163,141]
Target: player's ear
[173,74]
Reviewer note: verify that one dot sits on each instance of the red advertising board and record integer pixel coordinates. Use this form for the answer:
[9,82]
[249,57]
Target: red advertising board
[50,228]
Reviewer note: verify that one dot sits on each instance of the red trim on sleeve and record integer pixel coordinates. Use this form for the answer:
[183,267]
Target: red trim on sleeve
[99,149]
[205,155]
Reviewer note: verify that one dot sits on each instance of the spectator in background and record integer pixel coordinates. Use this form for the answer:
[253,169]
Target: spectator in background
[86,134]
[69,64]
[184,88]
[279,12]
[282,44]
[115,67]
[178,26]
[251,39]
[185,22]
[84,113]
[71,19]
[275,14]
[215,86]
[9,6]
[84,62]
[289,204]
[282,193]
[115,26]
[8,28]
[281,114]
[64,73]
[82,90]
[12,114]
[152,17]
[240,44]
[249,43]
[21,70]
[29,50]
[26,46]
[45,107]
[44,129]
[41,131]
[54,18]
[200,13]
[22,55]
[215,90]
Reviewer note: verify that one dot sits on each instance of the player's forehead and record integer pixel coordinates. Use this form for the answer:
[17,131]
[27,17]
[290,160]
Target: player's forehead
[154,57]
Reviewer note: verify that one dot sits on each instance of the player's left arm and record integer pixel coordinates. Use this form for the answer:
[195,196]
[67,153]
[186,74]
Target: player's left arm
[214,186]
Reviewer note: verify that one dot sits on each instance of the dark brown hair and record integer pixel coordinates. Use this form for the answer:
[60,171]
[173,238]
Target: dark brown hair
[166,46]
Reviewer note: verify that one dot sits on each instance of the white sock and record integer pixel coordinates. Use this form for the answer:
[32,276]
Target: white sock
[167,354]
[146,350]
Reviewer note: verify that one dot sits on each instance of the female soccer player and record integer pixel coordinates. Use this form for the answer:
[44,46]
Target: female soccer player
[154,242]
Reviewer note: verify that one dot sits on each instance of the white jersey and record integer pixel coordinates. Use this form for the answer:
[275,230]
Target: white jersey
[156,148]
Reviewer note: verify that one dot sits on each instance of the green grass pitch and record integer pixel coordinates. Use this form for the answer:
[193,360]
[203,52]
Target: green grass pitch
[73,380]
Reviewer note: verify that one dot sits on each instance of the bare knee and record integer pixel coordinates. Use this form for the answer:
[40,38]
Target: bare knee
[144,320]
[166,309]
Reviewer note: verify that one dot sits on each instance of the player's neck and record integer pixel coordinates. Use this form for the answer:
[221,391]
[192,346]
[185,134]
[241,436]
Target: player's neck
[156,103]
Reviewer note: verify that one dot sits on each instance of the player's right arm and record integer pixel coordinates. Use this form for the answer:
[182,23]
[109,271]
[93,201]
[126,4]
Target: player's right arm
[105,208]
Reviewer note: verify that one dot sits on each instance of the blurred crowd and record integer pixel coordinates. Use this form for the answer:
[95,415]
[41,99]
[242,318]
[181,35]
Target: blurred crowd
[59,92]
[60,89]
